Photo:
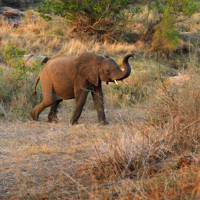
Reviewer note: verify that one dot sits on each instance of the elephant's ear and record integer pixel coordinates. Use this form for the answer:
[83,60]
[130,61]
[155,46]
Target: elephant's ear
[87,65]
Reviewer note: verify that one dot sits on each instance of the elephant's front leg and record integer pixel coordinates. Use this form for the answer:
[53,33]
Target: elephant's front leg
[99,105]
[80,101]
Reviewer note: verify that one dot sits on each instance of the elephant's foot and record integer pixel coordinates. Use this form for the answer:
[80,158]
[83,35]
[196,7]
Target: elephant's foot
[103,123]
[74,122]
[33,115]
[52,117]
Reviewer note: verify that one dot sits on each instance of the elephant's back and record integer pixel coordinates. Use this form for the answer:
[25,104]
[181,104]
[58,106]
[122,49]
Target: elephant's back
[61,57]
[61,60]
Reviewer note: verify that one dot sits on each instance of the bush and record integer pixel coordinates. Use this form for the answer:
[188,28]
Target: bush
[135,93]
[87,14]
[176,109]
[165,38]
[17,84]
[186,7]
[12,55]
[165,35]
[139,149]
[16,94]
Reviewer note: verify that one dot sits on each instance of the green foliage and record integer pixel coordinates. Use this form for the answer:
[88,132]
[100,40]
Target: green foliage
[85,13]
[125,94]
[17,83]
[166,37]
[142,83]
[135,93]
[12,53]
[186,7]
[13,57]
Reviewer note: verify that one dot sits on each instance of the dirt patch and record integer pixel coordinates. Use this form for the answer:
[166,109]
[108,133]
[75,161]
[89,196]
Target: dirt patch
[39,159]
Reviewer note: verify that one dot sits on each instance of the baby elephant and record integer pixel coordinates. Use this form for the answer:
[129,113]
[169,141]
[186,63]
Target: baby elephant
[67,77]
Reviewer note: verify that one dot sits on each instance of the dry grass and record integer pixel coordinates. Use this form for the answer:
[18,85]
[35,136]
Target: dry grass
[134,157]
[124,160]
[39,36]
[128,159]
[139,151]
[191,25]
[39,159]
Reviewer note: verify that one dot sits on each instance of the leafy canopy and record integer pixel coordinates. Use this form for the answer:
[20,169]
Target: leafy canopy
[84,12]
[186,7]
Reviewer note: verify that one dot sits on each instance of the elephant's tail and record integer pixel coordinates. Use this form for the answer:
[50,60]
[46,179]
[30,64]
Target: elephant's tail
[37,80]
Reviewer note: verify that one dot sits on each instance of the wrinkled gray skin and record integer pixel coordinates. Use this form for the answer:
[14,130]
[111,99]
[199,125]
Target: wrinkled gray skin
[67,77]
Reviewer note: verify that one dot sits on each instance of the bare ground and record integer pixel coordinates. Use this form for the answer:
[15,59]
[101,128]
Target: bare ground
[39,160]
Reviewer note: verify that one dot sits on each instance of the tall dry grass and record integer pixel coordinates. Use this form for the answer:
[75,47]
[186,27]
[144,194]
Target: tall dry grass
[139,150]
[51,38]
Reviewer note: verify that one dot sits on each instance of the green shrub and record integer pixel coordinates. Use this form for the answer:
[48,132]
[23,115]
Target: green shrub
[86,13]
[186,7]
[166,37]
[17,84]
[139,89]
[16,93]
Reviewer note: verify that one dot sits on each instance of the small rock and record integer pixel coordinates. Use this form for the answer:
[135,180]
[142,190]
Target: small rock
[12,13]
[5,8]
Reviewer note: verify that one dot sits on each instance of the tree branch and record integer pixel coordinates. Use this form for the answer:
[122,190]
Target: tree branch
[103,15]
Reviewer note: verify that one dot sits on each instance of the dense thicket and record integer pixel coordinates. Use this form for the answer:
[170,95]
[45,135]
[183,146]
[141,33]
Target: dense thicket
[87,13]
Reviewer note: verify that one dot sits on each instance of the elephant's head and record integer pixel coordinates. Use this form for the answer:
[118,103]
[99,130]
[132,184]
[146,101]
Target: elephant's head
[94,67]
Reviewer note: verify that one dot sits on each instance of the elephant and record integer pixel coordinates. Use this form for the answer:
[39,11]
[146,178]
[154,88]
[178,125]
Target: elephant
[67,77]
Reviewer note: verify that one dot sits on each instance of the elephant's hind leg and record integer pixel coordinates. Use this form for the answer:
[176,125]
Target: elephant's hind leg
[34,115]
[53,112]
[49,97]
[48,100]
[38,109]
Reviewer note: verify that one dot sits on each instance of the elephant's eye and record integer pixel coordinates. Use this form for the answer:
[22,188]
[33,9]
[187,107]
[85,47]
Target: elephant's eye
[107,71]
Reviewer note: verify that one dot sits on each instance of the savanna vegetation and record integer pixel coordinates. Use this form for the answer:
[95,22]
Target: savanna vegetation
[151,147]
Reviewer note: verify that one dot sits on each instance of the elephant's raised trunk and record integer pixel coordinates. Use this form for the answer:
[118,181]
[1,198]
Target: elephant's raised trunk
[127,69]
